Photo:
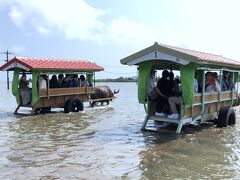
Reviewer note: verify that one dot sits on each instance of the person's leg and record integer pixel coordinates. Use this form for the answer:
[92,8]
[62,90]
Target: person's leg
[173,101]
[160,106]
[152,107]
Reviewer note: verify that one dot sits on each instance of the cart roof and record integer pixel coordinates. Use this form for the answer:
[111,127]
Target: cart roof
[30,64]
[161,52]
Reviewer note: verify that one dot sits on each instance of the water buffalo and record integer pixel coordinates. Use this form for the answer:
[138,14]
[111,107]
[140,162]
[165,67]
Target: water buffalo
[102,92]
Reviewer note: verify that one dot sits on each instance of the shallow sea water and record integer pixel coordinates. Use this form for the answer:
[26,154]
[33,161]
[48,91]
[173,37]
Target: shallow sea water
[106,143]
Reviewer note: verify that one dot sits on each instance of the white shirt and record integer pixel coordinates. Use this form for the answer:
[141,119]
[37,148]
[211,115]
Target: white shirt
[42,83]
[83,83]
[152,84]
[210,88]
[195,86]
[217,86]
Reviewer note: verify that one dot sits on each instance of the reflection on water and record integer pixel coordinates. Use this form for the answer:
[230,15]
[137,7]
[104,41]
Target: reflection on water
[209,153]
[106,143]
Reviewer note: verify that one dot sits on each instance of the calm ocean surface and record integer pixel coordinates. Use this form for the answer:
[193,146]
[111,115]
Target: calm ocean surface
[106,143]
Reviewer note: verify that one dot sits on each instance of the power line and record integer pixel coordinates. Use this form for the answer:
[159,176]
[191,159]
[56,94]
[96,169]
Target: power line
[7,55]
[118,73]
[112,66]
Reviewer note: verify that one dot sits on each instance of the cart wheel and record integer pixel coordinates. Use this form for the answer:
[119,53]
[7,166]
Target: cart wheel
[226,117]
[66,105]
[45,110]
[73,105]
[76,105]
[92,104]
[232,117]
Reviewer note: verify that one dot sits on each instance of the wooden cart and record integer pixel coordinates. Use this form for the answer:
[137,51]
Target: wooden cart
[218,107]
[71,98]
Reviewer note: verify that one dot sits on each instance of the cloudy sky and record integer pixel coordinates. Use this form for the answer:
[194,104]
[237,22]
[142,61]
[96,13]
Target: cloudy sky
[104,31]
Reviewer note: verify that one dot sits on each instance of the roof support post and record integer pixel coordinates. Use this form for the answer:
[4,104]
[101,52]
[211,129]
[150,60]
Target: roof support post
[203,91]
[48,86]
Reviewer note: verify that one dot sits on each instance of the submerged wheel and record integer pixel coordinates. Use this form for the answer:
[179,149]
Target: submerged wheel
[45,110]
[232,117]
[226,117]
[92,104]
[73,105]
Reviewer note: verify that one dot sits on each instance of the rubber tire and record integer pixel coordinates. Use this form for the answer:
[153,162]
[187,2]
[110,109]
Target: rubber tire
[92,104]
[73,105]
[45,110]
[232,118]
[66,106]
[226,116]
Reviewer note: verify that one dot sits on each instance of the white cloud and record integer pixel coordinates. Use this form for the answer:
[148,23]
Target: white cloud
[78,20]
[75,19]
[123,30]
[42,30]
[16,16]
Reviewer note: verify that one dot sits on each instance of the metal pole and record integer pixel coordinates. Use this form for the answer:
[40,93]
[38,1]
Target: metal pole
[94,78]
[7,73]
[203,92]
[7,53]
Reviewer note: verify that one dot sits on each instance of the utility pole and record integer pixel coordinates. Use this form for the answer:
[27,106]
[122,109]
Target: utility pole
[7,53]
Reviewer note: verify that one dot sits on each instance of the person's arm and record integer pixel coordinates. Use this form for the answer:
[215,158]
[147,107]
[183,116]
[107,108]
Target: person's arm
[159,92]
[216,86]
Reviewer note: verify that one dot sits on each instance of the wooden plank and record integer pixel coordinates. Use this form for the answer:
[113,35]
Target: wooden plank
[66,91]
[58,101]
[197,98]
[209,97]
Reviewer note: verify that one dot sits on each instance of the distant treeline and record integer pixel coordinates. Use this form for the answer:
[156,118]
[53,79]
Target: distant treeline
[120,79]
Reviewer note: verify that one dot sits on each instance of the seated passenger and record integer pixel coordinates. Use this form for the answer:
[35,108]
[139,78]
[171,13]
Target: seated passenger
[61,81]
[165,88]
[69,82]
[42,82]
[172,83]
[226,83]
[215,76]
[175,100]
[54,82]
[23,83]
[195,84]
[75,80]
[83,81]
[152,93]
[177,89]
[25,91]
[211,84]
